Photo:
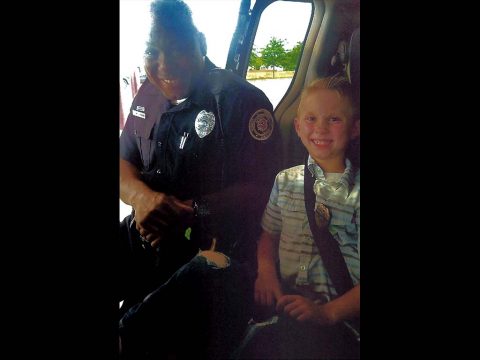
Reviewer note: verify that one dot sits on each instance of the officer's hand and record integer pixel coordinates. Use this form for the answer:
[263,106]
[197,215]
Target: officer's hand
[152,238]
[155,214]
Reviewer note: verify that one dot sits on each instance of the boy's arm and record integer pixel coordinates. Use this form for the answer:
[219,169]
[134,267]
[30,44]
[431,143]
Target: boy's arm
[267,284]
[267,253]
[342,308]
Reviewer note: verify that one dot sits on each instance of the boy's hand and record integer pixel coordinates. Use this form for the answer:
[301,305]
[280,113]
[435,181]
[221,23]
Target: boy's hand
[303,309]
[267,289]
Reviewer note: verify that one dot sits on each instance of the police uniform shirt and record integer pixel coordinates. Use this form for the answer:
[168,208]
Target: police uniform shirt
[181,150]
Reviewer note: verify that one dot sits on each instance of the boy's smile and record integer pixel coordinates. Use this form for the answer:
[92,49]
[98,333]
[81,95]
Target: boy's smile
[325,126]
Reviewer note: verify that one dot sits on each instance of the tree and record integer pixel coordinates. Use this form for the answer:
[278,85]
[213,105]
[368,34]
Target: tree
[291,57]
[274,53]
[255,61]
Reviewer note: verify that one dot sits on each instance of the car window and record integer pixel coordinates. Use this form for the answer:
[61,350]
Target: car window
[277,47]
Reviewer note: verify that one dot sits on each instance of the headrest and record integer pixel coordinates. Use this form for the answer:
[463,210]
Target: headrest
[353,65]
[339,60]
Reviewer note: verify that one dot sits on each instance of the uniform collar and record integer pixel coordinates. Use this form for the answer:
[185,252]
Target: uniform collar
[347,179]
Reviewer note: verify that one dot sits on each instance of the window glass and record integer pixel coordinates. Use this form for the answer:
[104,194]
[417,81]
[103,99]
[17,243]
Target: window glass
[277,47]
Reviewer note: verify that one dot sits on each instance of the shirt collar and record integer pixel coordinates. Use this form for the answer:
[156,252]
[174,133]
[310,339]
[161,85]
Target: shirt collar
[347,179]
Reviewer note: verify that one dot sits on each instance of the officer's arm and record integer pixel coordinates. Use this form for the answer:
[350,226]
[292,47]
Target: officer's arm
[154,211]
[252,161]
[134,192]
[132,189]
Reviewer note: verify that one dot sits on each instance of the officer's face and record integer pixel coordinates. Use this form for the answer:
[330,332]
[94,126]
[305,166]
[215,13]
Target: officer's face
[175,64]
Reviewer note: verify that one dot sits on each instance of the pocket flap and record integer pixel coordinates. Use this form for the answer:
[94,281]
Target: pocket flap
[142,126]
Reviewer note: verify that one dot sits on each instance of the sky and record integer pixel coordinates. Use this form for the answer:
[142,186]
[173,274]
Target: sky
[217,19]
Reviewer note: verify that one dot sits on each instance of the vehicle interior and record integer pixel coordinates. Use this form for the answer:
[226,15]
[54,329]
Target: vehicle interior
[328,34]
[331,45]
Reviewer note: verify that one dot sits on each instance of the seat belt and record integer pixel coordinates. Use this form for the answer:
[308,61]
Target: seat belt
[327,245]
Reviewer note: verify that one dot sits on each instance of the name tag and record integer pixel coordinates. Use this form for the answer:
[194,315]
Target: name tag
[138,114]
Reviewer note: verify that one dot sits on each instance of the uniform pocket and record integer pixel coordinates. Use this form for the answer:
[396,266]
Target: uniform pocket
[143,129]
[142,126]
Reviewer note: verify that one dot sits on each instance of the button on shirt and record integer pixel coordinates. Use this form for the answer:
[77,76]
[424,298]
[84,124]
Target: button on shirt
[285,216]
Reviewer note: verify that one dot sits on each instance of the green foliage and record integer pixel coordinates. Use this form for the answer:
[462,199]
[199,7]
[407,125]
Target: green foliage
[273,54]
[291,57]
[255,61]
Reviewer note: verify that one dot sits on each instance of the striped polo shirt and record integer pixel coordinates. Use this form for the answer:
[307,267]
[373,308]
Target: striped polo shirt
[285,217]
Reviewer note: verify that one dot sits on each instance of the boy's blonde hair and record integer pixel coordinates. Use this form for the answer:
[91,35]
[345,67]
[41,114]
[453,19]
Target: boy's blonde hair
[337,83]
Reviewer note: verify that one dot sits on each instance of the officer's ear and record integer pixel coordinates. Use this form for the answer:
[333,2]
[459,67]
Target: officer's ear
[203,43]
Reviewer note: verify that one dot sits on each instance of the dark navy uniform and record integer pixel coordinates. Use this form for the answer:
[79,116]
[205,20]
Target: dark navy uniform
[220,147]
[177,159]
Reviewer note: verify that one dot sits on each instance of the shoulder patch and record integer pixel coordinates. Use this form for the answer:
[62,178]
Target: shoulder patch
[261,124]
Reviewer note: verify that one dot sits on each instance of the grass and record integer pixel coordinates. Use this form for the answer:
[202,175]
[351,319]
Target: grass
[268,74]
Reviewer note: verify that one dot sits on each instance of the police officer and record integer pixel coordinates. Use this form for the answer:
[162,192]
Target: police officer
[199,153]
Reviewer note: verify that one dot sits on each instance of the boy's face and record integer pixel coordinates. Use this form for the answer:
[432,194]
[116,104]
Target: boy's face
[325,126]
[175,65]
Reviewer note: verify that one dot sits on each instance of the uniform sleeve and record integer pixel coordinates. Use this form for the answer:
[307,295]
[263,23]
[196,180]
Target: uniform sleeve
[253,153]
[255,141]
[272,217]
[128,144]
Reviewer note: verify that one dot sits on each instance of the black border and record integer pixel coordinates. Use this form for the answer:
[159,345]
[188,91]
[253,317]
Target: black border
[66,209]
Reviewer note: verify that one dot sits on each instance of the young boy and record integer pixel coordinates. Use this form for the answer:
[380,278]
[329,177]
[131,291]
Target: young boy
[327,121]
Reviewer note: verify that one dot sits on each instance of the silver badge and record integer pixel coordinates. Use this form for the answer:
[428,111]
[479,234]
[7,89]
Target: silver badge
[322,216]
[261,124]
[204,123]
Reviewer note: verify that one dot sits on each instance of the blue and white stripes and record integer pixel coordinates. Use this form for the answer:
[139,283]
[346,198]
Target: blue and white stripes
[285,216]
